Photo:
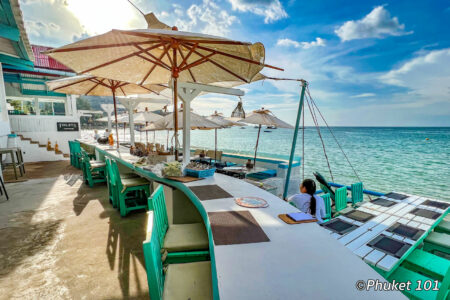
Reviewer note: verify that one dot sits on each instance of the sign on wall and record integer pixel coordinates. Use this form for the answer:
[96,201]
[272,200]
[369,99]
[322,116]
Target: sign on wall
[67,126]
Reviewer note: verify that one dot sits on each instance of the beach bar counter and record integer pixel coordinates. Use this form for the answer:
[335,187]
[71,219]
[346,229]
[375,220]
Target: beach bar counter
[253,253]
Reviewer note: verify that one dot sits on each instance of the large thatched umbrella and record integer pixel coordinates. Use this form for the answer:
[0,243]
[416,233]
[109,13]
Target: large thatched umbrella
[264,117]
[98,86]
[149,56]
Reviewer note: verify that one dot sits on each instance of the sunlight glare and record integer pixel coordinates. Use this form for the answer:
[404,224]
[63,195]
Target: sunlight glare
[99,16]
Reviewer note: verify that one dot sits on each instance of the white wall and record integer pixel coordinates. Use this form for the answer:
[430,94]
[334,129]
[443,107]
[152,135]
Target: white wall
[4,118]
[41,128]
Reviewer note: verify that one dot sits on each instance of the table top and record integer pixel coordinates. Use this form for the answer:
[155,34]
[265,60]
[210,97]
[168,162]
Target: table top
[299,261]
[358,239]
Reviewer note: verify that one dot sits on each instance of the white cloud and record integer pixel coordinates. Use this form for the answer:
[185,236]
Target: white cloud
[206,17]
[427,75]
[305,45]
[271,10]
[377,24]
[364,95]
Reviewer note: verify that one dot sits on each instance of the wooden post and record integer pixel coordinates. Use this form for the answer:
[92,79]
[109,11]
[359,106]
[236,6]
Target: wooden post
[115,114]
[256,148]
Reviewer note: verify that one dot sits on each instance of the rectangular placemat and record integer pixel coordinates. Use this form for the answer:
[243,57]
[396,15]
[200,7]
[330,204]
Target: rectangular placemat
[235,227]
[209,192]
[184,178]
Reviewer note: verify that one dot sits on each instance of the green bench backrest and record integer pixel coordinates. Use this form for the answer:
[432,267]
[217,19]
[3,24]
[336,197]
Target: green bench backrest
[326,191]
[116,174]
[357,192]
[153,262]
[340,200]
[109,171]
[327,200]
[158,202]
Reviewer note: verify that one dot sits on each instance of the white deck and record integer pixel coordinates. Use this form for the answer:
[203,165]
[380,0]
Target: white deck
[300,261]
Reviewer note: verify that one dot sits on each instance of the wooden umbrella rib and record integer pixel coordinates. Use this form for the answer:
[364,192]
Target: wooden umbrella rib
[239,58]
[153,62]
[187,56]
[120,87]
[96,80]
[93,47]
[154,66]
[185,60]
[91,89]
[221,67]
[158,60]
[197,62]
[148,89]
[70,84]
[120,58]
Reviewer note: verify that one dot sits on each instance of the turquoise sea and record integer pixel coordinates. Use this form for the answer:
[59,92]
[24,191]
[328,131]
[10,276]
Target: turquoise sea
[386,159]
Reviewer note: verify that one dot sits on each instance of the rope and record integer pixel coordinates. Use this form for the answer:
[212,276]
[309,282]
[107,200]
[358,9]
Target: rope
[314,117]
[334,137]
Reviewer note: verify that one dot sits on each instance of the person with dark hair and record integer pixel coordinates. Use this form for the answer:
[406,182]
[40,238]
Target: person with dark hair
[307,202]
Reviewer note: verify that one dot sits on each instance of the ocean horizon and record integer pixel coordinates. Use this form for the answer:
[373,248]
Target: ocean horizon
[413,160]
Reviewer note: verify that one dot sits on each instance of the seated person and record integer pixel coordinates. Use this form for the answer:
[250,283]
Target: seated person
[96,135]
[307,202]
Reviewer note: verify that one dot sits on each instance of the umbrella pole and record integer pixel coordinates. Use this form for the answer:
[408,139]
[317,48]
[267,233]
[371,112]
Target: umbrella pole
[175,115]
[167,142]
[256,148]
[124,132]
[215,148]
[154,136]
[115,115]
[146,133]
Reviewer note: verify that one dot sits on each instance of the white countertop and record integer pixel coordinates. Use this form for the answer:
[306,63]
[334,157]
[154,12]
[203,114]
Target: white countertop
[301,261]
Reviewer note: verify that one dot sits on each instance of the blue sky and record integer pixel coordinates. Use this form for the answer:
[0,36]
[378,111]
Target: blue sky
[368,63]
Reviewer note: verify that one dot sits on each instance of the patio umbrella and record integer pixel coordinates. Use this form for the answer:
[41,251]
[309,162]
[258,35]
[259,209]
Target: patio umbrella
[264,117]
[98,86]
[219,119]
[146,117]
[158,56]
[197,122]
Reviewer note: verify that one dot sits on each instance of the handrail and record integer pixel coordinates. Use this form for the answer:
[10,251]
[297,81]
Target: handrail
[368,192]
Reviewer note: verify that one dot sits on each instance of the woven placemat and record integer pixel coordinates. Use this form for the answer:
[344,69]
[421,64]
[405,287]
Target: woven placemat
[209,192]
[235,227]
[184,178]
[287,220]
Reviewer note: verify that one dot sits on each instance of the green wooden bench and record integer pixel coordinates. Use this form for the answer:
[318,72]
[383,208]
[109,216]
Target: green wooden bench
[191,280]
[443,227]
[183,242]
[132,193]
[437,241]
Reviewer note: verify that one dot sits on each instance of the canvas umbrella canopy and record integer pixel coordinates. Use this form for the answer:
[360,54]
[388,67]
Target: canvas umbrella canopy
[98,86]
[264,117]
[219,119]
[158,56]
[197,122]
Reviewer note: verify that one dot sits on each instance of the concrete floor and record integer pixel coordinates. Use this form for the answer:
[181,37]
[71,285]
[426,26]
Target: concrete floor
[62,240]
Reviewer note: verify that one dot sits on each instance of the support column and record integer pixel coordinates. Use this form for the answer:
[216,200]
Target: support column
[5,127]
[187,95]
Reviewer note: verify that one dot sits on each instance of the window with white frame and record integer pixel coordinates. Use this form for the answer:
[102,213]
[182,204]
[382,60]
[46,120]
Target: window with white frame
[52,107]
[21,106]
